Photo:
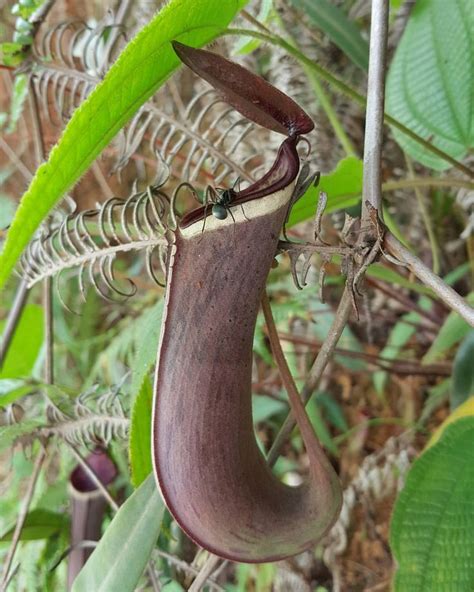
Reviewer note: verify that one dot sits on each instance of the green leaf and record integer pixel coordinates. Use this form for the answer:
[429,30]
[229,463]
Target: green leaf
[390,276]
[131,337]
[119,559]
[399,336]
[463,372]
[140,434]
[430,81]
[432,531]
[25,345]
[332,410]
[9,433]
[147,350]
[245,44]
[324,318]
[320,426]
[12,389]
[264,407]
[39,524]
[453,331]
[145,63]
[343,187]
[343,32]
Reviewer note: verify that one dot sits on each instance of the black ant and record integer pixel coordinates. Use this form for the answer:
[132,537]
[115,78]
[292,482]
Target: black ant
[221,200]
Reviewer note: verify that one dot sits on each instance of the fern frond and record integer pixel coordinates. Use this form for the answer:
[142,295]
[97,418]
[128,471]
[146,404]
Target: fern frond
[93,418]
[205,142]
[91,430]
[91,241]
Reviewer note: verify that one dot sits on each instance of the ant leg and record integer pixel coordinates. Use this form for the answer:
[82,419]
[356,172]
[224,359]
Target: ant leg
[236,185]
[243,212]
[209,188]
[233,219]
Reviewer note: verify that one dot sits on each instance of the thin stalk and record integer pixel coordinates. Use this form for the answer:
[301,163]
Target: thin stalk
[420,198]
[451,298]
[316,372]
[48,330]
[48,282]
[374,422]
[331,114]
[349,92]
[20,521]
[413,182]
[94,477]
[205,572]
[184,566]
[13,318]
[395,366]
[318,90]
[19,164]
[372,182]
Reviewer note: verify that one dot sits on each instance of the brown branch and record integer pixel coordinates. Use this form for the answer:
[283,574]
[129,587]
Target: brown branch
[395,366]
[447,295]
[316,372]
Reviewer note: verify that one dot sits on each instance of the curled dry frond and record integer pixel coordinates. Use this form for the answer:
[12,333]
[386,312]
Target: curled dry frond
[201,140]
[93,418]
[91,240]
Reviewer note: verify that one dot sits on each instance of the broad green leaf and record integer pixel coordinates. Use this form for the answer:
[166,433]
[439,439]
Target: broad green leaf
[466,409]
[453,331]
[145,63]
[463,372]
[432,531]
[119,559]
[39,524]
[25,345]
[9,433]
[430,81]
[140,434]
[328,17]
[343,187]
[264,407]
[147,349]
